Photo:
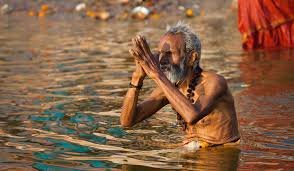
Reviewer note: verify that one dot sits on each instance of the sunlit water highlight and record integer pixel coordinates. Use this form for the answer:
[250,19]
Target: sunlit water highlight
[62,81]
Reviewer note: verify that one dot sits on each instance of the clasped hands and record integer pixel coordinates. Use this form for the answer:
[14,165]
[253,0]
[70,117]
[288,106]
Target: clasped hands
[146,62]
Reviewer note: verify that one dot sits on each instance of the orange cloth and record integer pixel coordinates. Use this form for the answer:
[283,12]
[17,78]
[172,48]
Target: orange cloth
[266,23]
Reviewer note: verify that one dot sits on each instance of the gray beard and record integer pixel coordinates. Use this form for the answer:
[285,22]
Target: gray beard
[177,73]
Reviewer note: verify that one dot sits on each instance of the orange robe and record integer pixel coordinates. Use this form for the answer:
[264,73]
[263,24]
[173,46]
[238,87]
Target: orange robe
[266,24]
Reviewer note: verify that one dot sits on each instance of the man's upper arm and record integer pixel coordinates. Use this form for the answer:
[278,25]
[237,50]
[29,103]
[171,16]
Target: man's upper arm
[151,105]
[214,89]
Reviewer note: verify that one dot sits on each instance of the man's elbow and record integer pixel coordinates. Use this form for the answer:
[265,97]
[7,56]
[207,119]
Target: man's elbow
[192,119]
[196,116]
[126,124]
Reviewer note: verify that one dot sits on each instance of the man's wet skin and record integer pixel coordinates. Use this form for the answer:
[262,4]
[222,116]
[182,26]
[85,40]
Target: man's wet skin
[207,109]
[172,56]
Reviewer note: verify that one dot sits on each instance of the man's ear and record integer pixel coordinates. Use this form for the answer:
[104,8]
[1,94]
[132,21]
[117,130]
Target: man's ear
[193,58]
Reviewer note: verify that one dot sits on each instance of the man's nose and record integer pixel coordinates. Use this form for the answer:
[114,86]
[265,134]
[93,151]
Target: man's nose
[163,60]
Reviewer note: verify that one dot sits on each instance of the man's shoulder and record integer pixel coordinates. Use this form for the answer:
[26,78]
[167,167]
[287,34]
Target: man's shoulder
[214,78]
[214,83]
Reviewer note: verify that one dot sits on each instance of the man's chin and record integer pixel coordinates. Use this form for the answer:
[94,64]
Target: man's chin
[165,73]
[172,80]
[171,77]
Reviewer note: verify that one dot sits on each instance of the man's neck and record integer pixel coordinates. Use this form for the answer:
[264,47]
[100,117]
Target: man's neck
[186,80]
[189,76]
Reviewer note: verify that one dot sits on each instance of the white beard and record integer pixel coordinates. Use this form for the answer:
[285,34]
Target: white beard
[176,73]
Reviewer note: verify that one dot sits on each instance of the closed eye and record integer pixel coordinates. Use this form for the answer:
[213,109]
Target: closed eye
[167,54]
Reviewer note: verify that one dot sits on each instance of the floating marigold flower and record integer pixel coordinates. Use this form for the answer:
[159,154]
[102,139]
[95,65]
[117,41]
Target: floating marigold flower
[91,14]
[42,14]
[189,12]
[44,8]
[32,13]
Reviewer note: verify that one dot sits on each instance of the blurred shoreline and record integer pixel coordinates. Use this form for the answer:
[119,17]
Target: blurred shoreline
[118,9]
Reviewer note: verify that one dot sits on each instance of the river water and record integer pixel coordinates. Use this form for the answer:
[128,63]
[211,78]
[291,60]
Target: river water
[62,82]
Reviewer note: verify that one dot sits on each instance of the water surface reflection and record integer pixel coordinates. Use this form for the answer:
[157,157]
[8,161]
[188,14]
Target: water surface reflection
[62,81]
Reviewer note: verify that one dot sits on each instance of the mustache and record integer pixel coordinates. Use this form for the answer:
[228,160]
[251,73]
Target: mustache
[174,73]
[165,68]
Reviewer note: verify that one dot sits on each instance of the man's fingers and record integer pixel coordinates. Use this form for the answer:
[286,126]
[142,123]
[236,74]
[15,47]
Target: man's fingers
[137,40]
[131,52]
[144,45]
[139,53]
[141,48]
[134,42]
[135,54]
[138,43]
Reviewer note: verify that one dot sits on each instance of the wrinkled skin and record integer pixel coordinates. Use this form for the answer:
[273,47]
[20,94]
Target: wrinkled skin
[171,53]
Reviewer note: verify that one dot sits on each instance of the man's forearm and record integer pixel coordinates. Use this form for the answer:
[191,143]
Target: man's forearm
[129,106]
[178,101]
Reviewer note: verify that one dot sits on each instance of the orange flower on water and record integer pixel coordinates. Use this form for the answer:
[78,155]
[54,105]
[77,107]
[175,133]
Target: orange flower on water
[102,15]
[91,14]
[189,12]
[45,8]
[42,14]
[155,16]
[32,13]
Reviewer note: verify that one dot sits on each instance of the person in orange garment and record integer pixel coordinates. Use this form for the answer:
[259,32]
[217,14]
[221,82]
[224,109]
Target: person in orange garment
[266,24]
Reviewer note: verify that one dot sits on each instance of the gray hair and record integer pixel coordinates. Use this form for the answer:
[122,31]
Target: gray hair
[191,40]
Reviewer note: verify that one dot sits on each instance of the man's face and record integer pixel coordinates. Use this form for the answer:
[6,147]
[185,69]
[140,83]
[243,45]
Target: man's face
[172,57]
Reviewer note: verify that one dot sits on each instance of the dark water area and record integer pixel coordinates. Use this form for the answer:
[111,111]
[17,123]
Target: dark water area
[63,78]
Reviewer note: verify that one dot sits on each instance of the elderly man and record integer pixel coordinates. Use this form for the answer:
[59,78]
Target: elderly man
[204,105]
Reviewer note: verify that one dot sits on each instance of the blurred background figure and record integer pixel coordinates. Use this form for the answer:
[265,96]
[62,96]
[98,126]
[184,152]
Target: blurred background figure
[266,24]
